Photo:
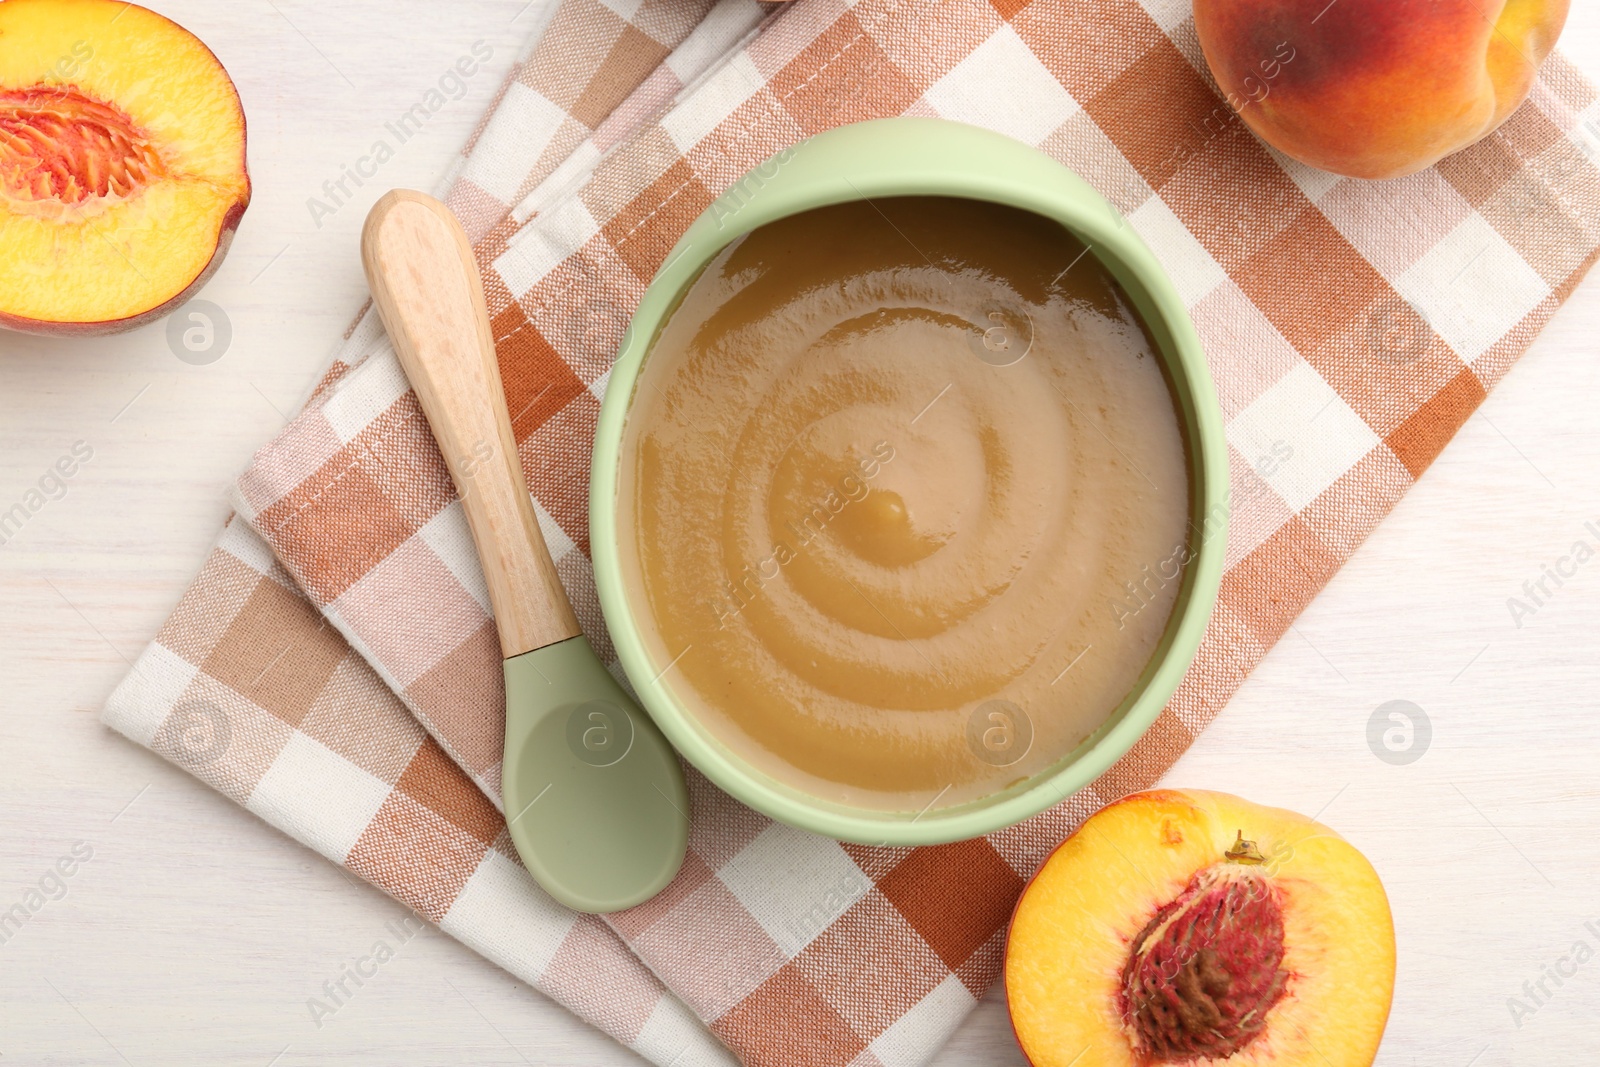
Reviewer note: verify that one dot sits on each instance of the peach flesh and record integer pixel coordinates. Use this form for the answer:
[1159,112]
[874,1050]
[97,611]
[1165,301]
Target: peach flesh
[122,165]
[1106,963]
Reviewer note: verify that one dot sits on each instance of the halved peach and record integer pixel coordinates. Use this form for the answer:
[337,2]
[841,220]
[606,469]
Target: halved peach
[1197,928]
[122,165]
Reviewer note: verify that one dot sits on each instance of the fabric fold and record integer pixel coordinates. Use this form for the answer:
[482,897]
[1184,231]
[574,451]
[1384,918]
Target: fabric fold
[247,688]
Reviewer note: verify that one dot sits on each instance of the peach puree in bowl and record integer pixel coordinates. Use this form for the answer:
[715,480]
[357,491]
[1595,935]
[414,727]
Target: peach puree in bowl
[887,470]
[901,525]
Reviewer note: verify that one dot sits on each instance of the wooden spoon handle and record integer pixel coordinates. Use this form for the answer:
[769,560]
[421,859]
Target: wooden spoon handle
[426,287]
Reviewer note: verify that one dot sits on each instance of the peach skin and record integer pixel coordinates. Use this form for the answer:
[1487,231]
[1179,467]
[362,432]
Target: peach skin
[1375,88]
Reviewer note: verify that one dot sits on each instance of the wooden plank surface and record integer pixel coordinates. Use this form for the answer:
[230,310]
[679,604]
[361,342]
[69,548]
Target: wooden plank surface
[195,933]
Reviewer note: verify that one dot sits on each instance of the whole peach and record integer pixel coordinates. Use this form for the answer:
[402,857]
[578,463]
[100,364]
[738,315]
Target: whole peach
[1375,88]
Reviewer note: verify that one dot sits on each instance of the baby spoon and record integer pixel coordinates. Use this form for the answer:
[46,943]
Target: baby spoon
[594,796]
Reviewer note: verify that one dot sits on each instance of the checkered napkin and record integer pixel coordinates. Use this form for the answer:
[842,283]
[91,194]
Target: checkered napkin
[1351,327]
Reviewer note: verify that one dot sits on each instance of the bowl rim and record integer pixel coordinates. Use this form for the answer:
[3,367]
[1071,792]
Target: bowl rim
[908,157]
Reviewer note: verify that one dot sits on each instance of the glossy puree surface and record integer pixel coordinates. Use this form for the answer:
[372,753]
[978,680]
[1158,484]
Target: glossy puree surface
[906,499]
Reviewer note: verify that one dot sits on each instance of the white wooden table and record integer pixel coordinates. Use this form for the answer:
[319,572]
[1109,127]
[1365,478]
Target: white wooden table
[196,933]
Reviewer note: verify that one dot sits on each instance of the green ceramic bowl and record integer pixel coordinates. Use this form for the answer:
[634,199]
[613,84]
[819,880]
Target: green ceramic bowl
[908,157]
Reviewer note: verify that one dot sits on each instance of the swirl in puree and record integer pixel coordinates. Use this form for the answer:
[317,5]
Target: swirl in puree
[907,500]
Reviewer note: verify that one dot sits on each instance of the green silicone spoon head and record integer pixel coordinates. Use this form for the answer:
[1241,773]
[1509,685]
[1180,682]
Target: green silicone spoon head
[595,799]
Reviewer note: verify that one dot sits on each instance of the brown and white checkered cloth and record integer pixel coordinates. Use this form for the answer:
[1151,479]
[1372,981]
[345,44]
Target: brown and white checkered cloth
[1351,327]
